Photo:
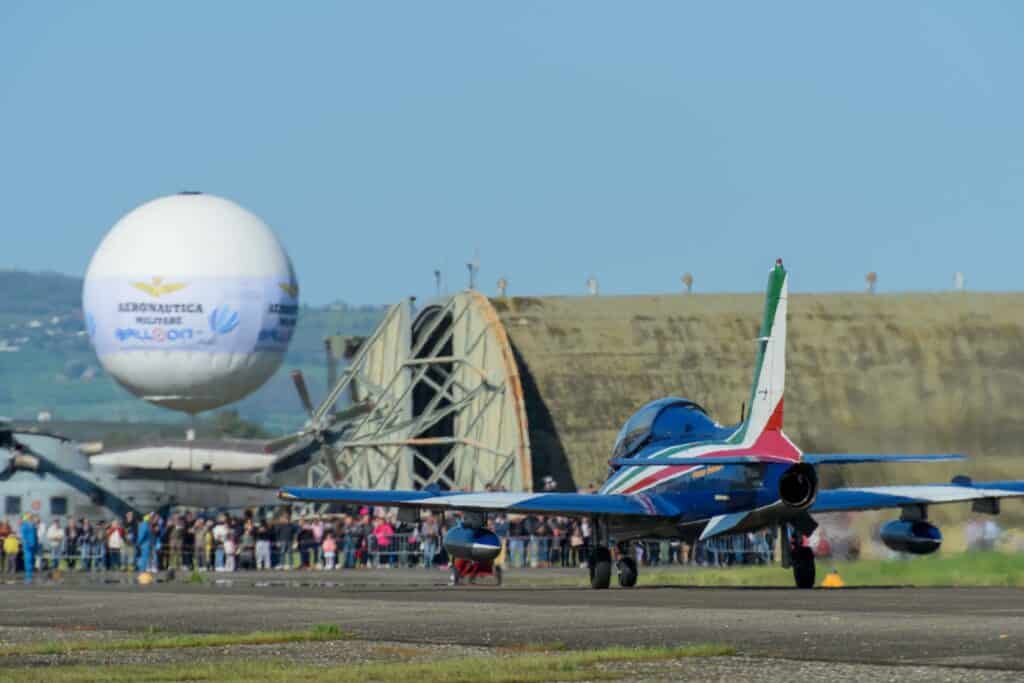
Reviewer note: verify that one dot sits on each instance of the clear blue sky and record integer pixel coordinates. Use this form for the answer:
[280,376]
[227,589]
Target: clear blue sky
[634,141]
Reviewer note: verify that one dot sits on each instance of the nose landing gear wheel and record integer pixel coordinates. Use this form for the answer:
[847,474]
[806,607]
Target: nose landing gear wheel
[803,567]
[628,572]
[600,568]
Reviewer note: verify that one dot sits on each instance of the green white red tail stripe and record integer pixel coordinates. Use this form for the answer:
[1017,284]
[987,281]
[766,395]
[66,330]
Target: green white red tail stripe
[760,435]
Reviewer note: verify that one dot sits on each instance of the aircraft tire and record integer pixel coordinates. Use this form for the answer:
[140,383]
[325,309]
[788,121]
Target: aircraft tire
[628,573]
[803,567]
[600,568]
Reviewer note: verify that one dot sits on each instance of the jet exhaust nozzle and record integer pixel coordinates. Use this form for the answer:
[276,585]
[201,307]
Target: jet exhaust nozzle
[798,486]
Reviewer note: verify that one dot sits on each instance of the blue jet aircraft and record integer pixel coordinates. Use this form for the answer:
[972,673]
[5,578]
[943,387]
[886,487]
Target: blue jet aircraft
[676,473]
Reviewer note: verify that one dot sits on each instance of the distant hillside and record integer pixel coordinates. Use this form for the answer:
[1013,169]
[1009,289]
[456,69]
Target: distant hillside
[48,364]
[39,293]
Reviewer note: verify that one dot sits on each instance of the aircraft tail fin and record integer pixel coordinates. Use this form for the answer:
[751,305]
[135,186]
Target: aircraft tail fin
[769,384]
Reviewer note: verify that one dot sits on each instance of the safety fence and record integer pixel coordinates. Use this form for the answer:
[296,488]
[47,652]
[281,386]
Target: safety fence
[349,551]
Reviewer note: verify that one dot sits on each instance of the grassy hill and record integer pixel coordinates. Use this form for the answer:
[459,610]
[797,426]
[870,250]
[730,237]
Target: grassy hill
[48,364]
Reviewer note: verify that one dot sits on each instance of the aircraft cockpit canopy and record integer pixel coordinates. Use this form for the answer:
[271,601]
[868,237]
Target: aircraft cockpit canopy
[668,419]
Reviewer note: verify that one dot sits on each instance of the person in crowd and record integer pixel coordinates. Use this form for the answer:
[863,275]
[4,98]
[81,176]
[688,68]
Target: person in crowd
[12,546]
[383,534]
[130,533]
[188,542]
[115,544]
[348,543]
[560,543]
[204,544]
[220,534]
[318,529]
[29,545]
[306,542]
[247,546]
[54,543]
[284,537]
[230,551]
[70,542]
[175,542]
[516,545]
[542,532]
[264,538]
[42,546]
[144,545]
[576,543]
[85,541]
[5,531]
[330,550]
[428,539]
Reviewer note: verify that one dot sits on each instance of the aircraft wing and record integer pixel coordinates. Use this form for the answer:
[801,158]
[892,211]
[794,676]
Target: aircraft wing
[567,504]
[880,497]
[855,458]
[696,460]
[811,458]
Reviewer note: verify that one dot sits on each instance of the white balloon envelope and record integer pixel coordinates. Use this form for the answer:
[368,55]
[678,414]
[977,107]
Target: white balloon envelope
[190,302]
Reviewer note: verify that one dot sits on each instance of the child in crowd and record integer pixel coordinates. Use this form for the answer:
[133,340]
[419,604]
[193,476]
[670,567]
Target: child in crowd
[230,552]
[330,548]
[11,547]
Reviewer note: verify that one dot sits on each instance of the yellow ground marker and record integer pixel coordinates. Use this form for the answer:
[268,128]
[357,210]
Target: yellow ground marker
[145,578]
[833,580]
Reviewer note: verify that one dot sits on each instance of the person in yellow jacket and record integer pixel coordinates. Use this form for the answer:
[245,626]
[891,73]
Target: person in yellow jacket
[11,547]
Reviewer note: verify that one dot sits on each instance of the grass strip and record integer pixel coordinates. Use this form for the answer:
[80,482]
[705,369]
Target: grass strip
[964,569]
[531,668]
[318,633]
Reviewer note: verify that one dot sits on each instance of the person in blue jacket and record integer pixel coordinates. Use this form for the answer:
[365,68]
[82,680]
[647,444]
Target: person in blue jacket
[29,545]
[144,543]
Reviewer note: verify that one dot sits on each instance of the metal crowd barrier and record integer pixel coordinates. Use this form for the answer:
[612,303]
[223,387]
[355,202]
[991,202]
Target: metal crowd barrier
[403,550]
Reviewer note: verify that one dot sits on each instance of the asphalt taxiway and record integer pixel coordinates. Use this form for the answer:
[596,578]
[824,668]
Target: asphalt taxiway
[946,627]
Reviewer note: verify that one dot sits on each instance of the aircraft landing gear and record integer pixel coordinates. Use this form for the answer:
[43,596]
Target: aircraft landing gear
[803,566]
[600,565]
[628,572]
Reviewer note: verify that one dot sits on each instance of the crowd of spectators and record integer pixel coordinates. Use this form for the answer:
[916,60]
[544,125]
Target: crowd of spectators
[365,538]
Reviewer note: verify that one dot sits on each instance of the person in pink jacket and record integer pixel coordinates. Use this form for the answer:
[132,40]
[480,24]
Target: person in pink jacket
[382,532]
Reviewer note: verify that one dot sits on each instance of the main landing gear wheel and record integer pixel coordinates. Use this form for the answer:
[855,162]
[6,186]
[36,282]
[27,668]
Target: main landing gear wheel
[803,567]
[600,568]
[628,573]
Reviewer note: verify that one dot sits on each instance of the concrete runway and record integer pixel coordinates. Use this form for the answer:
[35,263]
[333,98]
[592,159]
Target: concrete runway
[981,627]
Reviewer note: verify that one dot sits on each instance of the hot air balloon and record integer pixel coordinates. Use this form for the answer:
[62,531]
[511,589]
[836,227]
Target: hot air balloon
[190,302]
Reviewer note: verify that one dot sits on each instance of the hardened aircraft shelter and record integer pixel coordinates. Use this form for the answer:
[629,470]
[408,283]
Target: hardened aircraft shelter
[434,398]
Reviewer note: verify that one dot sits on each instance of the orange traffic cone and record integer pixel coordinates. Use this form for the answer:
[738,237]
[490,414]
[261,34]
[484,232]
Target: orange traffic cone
[833,580]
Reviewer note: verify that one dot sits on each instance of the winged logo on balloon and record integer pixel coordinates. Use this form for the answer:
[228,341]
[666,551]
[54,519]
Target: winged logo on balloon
[223,320]
[158,287]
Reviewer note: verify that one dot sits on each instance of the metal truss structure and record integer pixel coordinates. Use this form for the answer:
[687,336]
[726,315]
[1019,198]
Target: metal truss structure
[442,404]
